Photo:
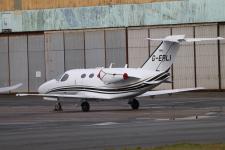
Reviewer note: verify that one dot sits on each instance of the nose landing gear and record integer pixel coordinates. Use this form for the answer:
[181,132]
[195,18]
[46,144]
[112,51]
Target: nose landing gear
[134,104]
[58,107]
[85,106]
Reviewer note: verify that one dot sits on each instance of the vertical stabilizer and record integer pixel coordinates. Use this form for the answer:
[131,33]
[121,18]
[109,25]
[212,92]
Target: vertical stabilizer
[164,56]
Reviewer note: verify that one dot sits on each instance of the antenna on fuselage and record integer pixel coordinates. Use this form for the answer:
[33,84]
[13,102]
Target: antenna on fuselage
[111,64]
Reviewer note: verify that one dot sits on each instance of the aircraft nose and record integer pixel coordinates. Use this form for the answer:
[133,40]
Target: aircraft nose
[42,89]
[45,87]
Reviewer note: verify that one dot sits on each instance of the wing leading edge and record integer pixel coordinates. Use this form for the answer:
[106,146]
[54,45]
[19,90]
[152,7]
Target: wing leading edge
[60,96]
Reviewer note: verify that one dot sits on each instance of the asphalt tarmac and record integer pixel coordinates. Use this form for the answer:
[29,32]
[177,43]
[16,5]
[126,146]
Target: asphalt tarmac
[28,123]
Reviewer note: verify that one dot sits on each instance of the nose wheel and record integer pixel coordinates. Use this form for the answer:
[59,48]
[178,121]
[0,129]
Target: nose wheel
[58,107]
[134,104]
[85,106]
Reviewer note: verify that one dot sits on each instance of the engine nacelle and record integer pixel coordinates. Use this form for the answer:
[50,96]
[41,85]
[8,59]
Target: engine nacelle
[108,78]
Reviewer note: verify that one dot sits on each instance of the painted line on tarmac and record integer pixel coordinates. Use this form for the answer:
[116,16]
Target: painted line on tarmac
[185,118]
[104,124]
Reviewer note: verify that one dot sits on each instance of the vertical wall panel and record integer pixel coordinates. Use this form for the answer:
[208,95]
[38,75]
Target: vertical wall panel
[159,33]
[74,49]
[207,58]
[115,47]
[183,68]
[4,64]
[54,53]
[95,49]
[138,51]
[222,56]
[18,61]
[36,60]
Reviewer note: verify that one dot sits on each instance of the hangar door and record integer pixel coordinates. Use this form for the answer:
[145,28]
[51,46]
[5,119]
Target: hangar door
[18,61]
[54,54]
[36,61]
[4,61]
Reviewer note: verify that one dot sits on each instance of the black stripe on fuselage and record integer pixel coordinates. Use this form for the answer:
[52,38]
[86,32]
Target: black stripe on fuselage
[138,85]
[99,90]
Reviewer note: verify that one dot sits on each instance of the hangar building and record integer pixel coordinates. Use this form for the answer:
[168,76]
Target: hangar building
[40,39]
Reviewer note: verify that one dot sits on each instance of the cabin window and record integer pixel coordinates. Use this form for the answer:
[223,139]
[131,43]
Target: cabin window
[65,77]
[83,75]
[91,75]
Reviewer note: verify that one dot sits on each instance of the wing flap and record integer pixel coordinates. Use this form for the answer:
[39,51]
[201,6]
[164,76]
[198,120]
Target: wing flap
[162,92]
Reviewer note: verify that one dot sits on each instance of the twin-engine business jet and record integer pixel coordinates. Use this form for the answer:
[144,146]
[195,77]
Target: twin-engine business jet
[118,83]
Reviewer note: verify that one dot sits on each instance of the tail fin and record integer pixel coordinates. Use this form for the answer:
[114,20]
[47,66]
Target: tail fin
[164,56]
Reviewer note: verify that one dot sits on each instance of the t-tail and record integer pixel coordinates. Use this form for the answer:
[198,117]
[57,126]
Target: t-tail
[164,56]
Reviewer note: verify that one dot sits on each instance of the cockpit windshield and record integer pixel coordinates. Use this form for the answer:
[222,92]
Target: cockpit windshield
[62,78]
[59,77]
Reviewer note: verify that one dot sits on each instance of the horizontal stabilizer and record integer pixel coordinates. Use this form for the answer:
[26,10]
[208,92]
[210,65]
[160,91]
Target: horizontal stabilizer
[172,38]
[202,39]
[162,92]
[181,38]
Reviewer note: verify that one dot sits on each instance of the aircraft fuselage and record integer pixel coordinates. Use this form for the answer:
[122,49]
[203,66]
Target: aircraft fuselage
[101,83]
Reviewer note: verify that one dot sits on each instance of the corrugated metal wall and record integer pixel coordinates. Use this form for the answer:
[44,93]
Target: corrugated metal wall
[95,49]
[4,61]
[74,49]
[115,47]
[43,4]
[36,61]
[33,58]
[183,68]
[129,15]
[54,54]
[222,56]
[137,47]
[207,58]
[18,61]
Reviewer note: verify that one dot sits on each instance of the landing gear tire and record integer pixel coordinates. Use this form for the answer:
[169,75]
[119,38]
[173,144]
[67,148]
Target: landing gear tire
[134,104]
[58,107]
[85,106]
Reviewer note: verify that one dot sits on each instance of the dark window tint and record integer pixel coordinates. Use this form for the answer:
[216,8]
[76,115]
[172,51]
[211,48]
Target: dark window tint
[91,75]
[83,75]
[65,77]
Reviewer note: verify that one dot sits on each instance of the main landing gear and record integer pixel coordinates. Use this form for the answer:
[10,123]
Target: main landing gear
[85,106]
[134,104]
[58,107]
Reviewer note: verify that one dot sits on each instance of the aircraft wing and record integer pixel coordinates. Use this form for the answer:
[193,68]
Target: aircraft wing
[60,96]
[162,92]
[10,88]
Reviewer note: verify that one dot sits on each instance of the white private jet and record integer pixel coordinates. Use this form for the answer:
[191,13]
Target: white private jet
[118,83]
[10,88]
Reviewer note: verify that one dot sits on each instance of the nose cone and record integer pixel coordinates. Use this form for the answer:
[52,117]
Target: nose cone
[45,87]
[42,89]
